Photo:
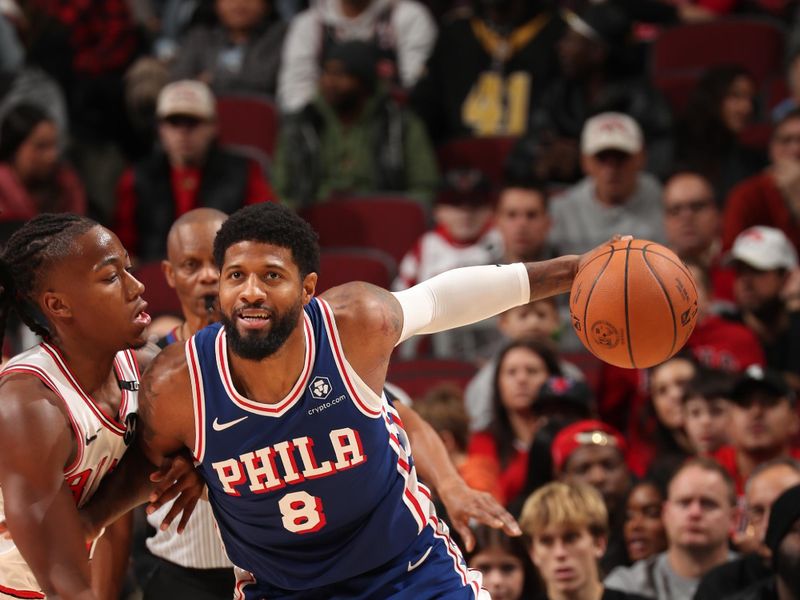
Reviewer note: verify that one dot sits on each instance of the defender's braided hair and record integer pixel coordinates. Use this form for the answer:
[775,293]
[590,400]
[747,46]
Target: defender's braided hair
[37,244]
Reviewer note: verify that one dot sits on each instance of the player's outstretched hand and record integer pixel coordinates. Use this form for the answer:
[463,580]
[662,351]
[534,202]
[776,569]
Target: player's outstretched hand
[176,479]
[464,504]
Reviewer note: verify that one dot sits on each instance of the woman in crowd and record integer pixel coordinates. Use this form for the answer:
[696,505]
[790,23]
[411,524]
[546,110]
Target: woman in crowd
[660,442]
[33,179]
[708,135]
[522,368]
[644,530]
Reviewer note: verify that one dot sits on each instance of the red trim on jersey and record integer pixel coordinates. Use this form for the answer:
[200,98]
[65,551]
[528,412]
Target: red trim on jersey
[270,410]
[25,594]
[45,379]
[107,421]
[338,355]
[410,495]
[457,558]
[135,363]
[199,401]
[243,583]
[123,403]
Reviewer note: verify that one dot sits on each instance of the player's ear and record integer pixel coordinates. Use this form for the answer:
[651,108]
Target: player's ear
[309,287]
[55,306]
[169,273]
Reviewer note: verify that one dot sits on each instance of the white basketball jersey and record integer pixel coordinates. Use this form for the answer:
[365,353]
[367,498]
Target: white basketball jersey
[101,441]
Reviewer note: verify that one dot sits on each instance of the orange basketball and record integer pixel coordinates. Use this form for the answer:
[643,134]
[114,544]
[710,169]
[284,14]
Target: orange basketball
[633,303]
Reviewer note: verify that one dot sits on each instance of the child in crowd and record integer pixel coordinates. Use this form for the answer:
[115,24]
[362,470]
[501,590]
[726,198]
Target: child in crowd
[463,236]
[706,410]
[508,573]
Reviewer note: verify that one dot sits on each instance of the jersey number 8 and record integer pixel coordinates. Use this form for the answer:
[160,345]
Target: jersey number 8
[301,512]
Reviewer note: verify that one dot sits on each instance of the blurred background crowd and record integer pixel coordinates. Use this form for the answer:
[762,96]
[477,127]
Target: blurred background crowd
[419,136]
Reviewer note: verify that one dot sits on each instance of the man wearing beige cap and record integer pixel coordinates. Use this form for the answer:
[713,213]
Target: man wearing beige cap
[188,170]
[615,196]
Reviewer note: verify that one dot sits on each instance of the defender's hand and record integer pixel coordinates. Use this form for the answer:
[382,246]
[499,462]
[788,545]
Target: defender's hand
[178,479]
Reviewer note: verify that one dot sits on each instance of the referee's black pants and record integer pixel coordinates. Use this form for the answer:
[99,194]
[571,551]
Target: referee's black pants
[174,582]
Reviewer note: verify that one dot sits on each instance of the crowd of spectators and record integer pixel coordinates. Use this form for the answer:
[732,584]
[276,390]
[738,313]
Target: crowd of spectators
[651,483]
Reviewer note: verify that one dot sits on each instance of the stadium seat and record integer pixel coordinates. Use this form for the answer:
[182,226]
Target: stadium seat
[355,264]
[248,120]
[161,298]
[757,45]
[418,376]
[388,223]
[487,154]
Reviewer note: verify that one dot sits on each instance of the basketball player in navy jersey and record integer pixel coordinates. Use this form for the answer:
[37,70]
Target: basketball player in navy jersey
[68,405]
[308,466]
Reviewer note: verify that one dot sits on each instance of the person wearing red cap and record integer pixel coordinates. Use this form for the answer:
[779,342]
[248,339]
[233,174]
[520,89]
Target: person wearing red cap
[593,452]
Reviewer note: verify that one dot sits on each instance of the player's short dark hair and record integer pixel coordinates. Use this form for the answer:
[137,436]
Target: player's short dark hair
[270,223]
[41,242]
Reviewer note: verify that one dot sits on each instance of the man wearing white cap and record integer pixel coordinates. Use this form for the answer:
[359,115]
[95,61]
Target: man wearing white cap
[615,196]
[188,171]
[767,293]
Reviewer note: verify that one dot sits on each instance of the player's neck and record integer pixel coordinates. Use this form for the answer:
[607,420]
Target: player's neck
[269,380]
[90,365]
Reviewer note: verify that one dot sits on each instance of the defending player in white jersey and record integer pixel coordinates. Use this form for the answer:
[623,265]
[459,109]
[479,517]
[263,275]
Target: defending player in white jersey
[68,406]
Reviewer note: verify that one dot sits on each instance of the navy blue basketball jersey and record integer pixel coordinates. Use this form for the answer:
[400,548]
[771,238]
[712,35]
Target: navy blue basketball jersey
[317,488]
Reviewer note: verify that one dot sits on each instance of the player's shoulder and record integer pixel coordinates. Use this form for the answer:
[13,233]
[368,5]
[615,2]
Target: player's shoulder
[28,402]
[365,306]
[168,371]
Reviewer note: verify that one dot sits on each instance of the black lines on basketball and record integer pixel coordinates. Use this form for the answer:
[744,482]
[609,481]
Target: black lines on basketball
[627,300]
[586,324]
[666,295]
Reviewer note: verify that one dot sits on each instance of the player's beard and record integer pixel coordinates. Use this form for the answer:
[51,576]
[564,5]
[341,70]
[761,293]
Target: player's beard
[255,345]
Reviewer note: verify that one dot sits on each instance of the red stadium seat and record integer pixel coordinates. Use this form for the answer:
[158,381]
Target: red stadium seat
[416,377]
[355,264]
[390,224]
[488,155]
[756,45]
[248,120]
[161,298]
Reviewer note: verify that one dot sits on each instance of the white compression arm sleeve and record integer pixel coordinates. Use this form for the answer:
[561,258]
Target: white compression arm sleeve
[462,296]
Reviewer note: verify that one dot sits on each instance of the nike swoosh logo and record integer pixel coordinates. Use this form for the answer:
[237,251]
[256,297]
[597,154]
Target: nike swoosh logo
[223,426]
[414,565]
